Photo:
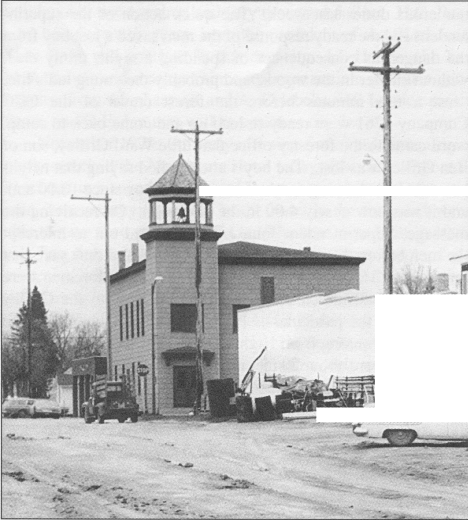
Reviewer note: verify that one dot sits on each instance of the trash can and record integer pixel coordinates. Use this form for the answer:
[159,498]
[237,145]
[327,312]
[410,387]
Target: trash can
[283,404]
[265,408]
[220,392]
[244,409]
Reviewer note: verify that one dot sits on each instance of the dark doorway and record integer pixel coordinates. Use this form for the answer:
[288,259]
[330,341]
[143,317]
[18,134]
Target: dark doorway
[185,383]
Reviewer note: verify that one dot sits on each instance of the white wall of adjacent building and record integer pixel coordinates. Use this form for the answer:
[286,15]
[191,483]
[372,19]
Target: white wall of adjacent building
[310,336]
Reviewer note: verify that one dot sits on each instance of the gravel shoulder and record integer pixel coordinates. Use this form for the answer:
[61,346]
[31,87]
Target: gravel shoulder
[172,468]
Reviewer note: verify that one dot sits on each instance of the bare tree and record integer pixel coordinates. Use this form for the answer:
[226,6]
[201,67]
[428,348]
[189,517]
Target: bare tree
[76,341]
[61,326]
[89,340]
[13,367]
[410,281]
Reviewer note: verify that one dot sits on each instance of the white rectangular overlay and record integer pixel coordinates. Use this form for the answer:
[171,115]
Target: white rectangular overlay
[333,191]
[421,362]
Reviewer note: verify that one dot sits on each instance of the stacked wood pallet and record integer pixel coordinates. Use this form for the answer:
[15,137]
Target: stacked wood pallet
[356,390]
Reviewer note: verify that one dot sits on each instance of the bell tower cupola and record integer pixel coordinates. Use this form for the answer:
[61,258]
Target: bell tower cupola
[172,198]
[172,203]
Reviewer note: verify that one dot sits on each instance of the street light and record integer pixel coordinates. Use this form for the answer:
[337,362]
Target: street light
[153,346]
[367,160]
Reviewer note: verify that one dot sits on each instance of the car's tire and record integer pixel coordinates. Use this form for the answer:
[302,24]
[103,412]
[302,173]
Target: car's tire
[56,416]
[400,437]
[100,417]
[121,419]
[22,414]
[134,418]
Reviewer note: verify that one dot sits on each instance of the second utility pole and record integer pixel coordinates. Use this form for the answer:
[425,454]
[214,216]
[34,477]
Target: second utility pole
[386,70]
[198,262]
[28,262]
[106,199]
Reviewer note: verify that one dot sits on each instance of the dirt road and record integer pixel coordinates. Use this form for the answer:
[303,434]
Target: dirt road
[183,468]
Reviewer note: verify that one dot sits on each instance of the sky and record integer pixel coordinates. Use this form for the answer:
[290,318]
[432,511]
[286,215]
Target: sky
[91,90]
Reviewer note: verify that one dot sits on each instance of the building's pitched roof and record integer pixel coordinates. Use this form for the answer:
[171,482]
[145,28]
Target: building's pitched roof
[179,176]
[128,271]
[248,252]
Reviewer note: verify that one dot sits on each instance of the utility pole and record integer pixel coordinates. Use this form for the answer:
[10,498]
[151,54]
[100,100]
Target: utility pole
[198,265]
[386,70]
[106,199]
[28,262]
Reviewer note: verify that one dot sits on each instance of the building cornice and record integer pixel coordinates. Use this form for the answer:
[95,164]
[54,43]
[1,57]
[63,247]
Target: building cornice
[230,260]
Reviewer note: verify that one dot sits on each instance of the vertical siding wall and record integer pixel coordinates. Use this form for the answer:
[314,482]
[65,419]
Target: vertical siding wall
[175,262]
[136,349]
[240,284]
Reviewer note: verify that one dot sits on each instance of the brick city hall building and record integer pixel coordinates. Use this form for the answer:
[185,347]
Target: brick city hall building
[234,276]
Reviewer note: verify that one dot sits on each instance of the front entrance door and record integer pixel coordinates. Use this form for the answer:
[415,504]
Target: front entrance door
[185,384]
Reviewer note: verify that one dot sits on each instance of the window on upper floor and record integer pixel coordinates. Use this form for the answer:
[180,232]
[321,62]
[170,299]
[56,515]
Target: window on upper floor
[132,326]
[235,308]
[267,289]
[138,318]
[184,317]
[126,321]
[142,310]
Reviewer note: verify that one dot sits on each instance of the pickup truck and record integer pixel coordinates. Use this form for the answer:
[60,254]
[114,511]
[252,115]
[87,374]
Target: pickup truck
[110,400]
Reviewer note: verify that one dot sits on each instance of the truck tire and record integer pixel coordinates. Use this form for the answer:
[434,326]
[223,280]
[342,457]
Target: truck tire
[400,437]
[122,419]
[100,417]
[134,418]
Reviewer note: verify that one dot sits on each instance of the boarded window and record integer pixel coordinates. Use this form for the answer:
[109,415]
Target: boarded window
[121,323]
[184,317]
[236,308]
[267,289]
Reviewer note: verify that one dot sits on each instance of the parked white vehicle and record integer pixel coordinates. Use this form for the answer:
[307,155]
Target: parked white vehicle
[403,434]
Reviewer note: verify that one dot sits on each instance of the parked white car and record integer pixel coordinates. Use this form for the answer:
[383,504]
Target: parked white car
[403,434]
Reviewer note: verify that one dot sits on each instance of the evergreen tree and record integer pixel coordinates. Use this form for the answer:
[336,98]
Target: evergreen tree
[44,359]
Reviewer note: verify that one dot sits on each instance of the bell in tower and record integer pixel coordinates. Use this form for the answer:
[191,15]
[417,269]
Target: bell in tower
[172,200]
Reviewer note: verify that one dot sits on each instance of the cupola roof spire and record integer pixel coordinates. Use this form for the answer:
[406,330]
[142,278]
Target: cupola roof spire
[179,177]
